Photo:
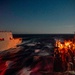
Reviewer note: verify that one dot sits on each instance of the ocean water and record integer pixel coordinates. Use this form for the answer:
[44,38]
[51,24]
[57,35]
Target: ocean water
[35,57]
[43,35]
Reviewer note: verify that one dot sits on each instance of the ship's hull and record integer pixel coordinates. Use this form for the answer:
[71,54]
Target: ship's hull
[7,44]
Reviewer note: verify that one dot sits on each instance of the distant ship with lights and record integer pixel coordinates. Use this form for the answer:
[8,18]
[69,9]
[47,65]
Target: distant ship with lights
[7,41]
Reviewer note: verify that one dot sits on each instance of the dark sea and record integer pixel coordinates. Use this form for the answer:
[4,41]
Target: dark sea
[35,57]
[30,36]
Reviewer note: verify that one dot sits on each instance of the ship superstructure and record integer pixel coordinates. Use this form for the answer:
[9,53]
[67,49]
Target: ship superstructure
[7,41]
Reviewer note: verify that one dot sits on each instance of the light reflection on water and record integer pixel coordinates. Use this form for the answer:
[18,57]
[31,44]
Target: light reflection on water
[23,62]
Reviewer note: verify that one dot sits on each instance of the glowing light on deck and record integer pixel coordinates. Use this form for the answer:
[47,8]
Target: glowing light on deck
[67,44]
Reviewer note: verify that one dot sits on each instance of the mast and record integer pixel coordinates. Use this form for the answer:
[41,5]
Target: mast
[74,38]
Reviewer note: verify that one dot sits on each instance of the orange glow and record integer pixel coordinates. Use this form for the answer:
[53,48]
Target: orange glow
[66,45]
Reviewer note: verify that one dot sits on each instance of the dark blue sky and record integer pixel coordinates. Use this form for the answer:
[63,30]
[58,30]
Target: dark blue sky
[37,16]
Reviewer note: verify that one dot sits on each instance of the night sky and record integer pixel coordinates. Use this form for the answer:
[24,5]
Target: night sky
[37,16]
